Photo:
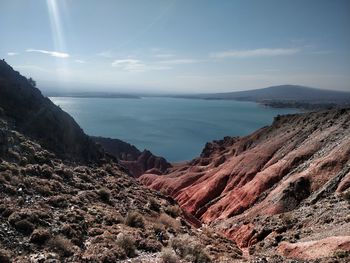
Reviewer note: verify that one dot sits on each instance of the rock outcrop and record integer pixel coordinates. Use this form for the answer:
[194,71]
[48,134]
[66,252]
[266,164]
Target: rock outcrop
[134,160]
[239,185]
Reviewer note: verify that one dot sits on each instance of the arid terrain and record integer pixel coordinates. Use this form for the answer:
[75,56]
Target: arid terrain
[280,194]
[81,205]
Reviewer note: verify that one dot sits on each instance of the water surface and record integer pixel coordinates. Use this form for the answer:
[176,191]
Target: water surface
[174,128]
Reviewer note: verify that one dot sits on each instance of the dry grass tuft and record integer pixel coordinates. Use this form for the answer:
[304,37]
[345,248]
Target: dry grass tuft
[127,244]
[61,245]
[134,219]
[168,256]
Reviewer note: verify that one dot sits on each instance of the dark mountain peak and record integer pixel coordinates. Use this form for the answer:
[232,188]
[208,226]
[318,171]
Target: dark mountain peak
[37,117]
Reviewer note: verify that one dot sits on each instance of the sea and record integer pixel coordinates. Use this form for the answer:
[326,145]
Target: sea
[174,128]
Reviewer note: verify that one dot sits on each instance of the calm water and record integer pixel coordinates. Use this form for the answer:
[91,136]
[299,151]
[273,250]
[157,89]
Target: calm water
[174,128]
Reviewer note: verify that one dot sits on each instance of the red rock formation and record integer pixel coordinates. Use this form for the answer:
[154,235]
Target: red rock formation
[299,158]
[130,157]
[315,249]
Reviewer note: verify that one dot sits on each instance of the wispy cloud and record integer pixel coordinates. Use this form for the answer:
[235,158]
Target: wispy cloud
[135,65]
[12,53]
[80,61]
[260,52]
[178,61]
[164,55]
[105,54]
[51,53]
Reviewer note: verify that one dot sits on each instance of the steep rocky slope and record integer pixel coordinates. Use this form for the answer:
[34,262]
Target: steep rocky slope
[281,183]
[62,199]
[134,160]
[40,119]
[51,211]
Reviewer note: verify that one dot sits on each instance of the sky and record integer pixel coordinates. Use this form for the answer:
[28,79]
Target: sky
[177,46]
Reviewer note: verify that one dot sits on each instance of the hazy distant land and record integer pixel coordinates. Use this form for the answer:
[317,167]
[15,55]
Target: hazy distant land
[283,96]
[92,95]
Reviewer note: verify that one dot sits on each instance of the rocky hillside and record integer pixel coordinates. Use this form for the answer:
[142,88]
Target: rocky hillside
[54,212]
[37,117]
[62,199]
[276,191]
[134,160]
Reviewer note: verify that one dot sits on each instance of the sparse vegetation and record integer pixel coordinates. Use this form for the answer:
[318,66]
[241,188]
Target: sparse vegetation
[40,236]
[61,245]
[154,205]
[189,249]
[341,254]
[346,196]
[32,82]
[127,243]
[24,226]
[174,210]
[134,219]
[5,256]
[104,194]
[168,221]
[168,256]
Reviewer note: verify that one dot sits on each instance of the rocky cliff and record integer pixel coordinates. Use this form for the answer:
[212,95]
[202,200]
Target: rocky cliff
[134,160]
[274,191]
[37,117]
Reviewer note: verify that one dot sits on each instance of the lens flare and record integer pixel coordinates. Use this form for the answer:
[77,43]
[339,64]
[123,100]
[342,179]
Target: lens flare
[56,25]
[57,36]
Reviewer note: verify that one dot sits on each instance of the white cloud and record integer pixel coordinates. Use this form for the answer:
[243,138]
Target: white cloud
[51,53]
[12,53]
[260,52]
[135,65]
[80,61]
[178,61]
[129,64]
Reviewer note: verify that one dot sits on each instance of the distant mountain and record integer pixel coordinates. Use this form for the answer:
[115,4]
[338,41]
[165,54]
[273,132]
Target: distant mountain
[284,96]
[103,95]
[284,93]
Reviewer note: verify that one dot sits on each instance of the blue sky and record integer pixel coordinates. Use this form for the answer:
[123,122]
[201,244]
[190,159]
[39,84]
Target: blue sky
[177,45]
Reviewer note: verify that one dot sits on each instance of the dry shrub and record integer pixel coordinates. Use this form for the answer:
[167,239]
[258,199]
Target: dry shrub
[5,256]
[153,205]
[24,226]
[158,228]
[59,201]
[40,236]
[134,219]
[111,219]
[168,256]
[169,222]
[341,254]
[61,245]
[189,249]
[173,211]
[104,194]
[127,243]
[346,196]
